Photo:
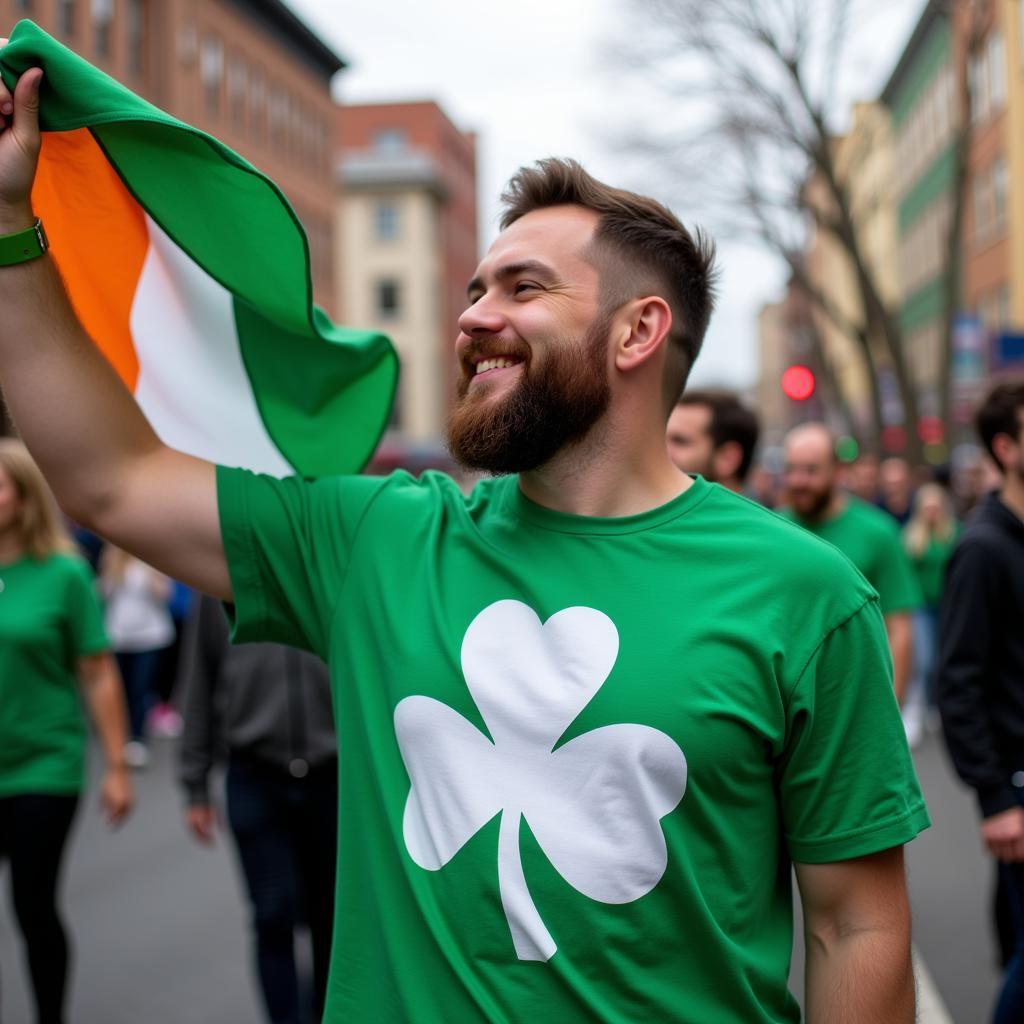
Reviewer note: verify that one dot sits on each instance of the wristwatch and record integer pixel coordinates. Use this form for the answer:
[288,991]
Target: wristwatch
[23,245]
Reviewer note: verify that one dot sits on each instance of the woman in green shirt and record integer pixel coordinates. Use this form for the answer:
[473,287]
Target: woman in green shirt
[929,538]
[51,642]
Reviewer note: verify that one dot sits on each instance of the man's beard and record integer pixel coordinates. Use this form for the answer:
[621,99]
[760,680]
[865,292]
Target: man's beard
[814,508]
[551,405]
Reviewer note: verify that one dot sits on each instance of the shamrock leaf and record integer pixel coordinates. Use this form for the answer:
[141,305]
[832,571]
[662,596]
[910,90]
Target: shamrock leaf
[594,805]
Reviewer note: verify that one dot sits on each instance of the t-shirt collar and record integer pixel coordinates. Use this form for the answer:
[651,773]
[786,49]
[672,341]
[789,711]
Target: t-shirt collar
[566,522]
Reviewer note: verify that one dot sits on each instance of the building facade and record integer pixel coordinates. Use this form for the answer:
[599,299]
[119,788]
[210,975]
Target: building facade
[407,246]
[986,248]
[863,160]
[247,71]
[923,98]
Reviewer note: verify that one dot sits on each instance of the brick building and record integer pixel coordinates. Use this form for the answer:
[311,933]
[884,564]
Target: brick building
[248,71]
[408,245]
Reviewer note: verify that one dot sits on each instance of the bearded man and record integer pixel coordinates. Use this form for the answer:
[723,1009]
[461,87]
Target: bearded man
[866,535]
[587,716]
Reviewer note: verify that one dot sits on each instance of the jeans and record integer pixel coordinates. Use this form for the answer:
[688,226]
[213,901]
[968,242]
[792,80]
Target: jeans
[33,832]
[285,832]
[138,670]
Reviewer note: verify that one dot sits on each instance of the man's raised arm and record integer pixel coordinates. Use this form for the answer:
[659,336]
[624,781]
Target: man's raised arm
[107,467]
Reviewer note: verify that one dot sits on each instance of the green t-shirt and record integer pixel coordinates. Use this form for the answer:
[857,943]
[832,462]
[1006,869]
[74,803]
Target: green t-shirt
[576,754]
[871,540]
[49,617]
[930,567]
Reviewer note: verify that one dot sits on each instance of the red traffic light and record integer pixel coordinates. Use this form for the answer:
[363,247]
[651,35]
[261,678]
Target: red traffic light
[798,383]
[931,429]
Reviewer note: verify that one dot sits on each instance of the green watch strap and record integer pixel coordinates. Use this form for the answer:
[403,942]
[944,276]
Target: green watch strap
[23,245]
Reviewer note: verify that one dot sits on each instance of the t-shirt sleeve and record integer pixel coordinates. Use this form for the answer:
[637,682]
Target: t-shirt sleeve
[894,577]
[85,614]
[288,545]
[846,778]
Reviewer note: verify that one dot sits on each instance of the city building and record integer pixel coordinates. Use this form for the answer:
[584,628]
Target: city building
[1011,16]
[248,71]
[407,246]
[922,97]
[986,245]
[863,161]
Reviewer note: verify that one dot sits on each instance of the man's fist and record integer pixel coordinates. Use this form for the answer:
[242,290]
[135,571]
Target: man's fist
[19,149]
[1003,834]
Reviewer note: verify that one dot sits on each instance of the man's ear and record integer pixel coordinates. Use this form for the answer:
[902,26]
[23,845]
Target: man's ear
[1004,447]
[644,332]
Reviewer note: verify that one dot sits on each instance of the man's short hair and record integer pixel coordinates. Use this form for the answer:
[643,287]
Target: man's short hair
[1000,413]
[640,247]
[731,420]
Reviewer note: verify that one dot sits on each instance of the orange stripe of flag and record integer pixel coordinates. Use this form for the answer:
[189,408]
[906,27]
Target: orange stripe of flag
[99,239]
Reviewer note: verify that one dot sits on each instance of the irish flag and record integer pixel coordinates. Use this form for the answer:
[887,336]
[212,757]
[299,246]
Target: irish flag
[190,270]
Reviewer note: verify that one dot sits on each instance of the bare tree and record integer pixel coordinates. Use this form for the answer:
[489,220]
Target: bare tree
[759,82]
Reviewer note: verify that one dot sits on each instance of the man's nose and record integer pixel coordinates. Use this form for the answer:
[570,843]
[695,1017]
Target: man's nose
[483,317]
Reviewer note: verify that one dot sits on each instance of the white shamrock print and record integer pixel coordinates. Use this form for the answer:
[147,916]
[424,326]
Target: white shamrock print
[594,805]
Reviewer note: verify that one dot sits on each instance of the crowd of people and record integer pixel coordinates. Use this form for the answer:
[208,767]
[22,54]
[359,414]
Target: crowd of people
[590,721]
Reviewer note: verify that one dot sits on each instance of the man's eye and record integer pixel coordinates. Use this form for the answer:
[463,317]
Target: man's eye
[523,285]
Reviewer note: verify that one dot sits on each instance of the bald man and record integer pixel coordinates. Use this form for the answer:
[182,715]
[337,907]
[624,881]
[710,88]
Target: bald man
[867,536]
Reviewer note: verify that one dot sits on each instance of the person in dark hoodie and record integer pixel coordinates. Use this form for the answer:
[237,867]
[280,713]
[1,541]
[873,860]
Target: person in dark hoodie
[266,710]
[980,685]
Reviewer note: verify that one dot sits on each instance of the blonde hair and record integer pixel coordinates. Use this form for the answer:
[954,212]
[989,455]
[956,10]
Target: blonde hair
[917,533]
[40,526]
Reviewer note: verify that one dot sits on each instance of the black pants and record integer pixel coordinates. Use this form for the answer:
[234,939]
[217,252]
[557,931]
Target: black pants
[33,831]
[285,830]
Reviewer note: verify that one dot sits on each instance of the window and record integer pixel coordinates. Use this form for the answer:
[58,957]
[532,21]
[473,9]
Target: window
[277,104]
[257,104]
[385,220]
[66,18]
[102,17]
[188,44]
[987,79]
[996,62]
[388,299]
[211,71]
[390,140]
[238,77]
[136,25]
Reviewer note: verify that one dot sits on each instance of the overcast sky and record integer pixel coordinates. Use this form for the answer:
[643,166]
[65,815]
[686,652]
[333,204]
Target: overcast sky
[528,77]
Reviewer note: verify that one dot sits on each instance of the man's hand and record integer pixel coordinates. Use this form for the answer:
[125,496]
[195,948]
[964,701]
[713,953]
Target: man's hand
[19,149]
[1003,834]
[202,821]
[116,796]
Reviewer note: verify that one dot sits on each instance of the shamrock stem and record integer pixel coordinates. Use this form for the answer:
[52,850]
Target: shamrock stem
[531,939]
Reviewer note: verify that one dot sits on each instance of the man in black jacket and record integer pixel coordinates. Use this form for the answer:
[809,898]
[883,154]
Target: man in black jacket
[267,709]
[981,662]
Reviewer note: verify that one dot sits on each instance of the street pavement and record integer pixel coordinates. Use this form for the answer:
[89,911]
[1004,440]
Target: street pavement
[160,932]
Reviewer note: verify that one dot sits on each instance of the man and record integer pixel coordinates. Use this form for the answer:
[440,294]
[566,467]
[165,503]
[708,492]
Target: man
[268,707]
[896,487]
[589,714]
[980,681]
[862,478]
[867,536]
[713,433]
